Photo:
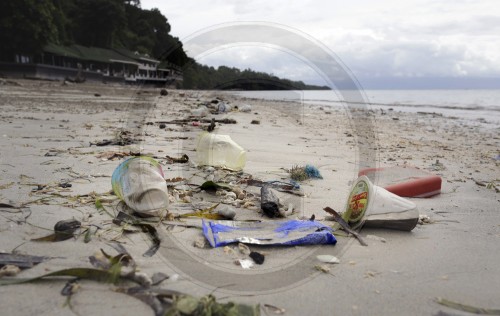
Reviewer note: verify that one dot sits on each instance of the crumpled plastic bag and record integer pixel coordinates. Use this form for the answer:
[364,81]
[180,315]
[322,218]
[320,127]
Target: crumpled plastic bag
[278,233]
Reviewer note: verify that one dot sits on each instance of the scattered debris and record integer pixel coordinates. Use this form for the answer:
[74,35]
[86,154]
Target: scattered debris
[245,108]
[201,242]
[328,259]
[9,270]
[437,166]
[21,261]
[211,127]
[183,159]
[123,138]
[139,182]
[467,308]
[123,218]
[285,233]
[244,249]
[244,263]
[218,150]
[269,202]
[227,212]
[301,173]
[494,184]
[377,238]
[255,122]
[322,268]
[63,230]
[371,274]
[424,219]
[344,225]
[273,309]
[257,257]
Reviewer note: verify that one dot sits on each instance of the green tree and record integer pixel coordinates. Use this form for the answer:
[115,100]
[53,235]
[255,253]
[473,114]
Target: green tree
[97,22]
[26,26]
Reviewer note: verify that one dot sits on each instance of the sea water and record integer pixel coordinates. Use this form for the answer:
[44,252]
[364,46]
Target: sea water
[475,105]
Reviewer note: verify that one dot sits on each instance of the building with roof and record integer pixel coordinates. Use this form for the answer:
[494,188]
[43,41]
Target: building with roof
[79,63]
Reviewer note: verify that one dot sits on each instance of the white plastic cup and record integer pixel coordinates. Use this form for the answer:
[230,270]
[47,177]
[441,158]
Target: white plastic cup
[374,206]
[220,151]
[139,182]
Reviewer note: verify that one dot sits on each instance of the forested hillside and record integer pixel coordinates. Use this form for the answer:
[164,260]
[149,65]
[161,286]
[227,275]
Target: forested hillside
[26,26]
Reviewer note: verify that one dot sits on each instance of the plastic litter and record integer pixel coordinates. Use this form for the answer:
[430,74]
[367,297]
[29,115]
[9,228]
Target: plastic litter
[373,206]
[281,233]
[269,202]
[201,111]
[245,108]
[405,181]
[328,259]
[223,107]
[220,151]
[139,182]
[312,172]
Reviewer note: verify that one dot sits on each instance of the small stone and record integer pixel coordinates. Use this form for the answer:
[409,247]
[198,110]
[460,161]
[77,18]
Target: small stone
[323,268]
[248,204]
[231,195]
[241,196]
[163,92]
[9,270]
[200,242]
[237,190]
[226,211]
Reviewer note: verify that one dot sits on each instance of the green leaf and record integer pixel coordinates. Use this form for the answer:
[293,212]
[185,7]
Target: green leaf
[101,208]
[187,304]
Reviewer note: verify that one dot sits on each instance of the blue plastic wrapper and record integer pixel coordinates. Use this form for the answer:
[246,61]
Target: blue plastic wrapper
[277,233]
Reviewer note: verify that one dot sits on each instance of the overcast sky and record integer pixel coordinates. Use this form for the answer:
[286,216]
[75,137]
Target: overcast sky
[385,43]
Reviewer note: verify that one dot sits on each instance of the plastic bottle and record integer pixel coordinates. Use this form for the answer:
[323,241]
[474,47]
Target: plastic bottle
[139,182]
[220,151]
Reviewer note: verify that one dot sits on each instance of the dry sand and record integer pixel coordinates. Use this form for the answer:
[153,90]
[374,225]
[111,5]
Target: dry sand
[46,131]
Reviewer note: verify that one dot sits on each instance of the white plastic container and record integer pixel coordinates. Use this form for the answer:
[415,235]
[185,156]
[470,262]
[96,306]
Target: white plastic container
[200,112]
[139,182]
[374,206]
[220,151]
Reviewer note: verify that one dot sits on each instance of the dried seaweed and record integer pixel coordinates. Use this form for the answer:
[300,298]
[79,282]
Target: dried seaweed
[344,225]
[467,308]
[205,213]
[21,261]
[101,208]
[213,186]
[183,159]
[63,230]
[123,217]
[84,273]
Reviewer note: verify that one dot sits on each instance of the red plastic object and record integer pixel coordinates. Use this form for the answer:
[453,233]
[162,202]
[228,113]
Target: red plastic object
[405,181]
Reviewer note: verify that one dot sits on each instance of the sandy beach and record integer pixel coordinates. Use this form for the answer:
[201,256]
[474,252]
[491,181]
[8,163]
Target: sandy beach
[50,134]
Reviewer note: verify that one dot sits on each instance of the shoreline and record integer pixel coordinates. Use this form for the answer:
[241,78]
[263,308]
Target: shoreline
[454,257]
